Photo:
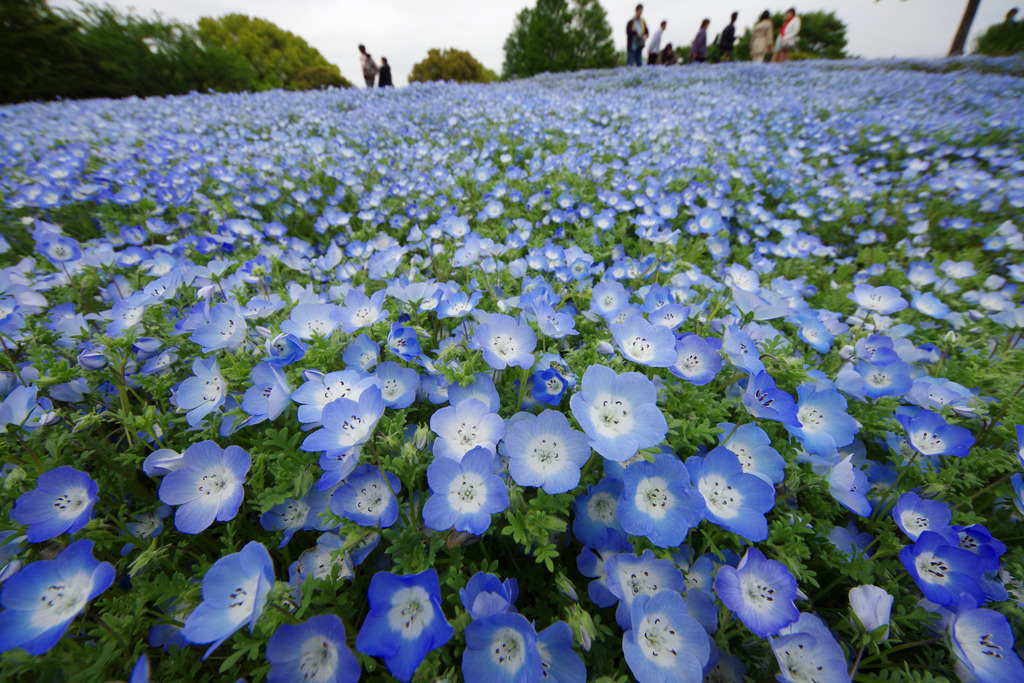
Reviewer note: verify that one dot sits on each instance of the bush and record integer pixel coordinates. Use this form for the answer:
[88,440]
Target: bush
[450,65]
[1002,39]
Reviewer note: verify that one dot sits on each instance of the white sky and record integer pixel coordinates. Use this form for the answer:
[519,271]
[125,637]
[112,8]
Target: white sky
[403,30]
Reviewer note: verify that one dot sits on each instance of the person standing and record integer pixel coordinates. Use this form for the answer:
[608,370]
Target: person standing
[789,33]
[369,66]
[636,36]
[699,49]
[384,80]
[761,41]
[654,47]
[728,38]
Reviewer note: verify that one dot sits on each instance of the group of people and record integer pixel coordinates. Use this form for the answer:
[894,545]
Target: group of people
[372,72]
[764,40]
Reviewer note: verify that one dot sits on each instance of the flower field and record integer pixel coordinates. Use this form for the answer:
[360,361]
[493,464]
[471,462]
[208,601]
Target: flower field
[658,375]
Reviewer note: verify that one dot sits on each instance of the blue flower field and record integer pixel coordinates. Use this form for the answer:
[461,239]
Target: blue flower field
[667,375]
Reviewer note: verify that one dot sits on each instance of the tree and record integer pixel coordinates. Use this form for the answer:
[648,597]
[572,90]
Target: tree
[822,35]
[38,51]
[551,36]
[1004,38]
[277,56]
[449,65]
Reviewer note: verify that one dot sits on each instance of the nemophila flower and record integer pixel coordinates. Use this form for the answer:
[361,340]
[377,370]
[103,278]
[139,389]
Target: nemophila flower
[607,298]
[930,435]
[146,525]
[591,563]
[59,249]
[885,300]
[885,380]
[915,515]
[467,425]
[398,385]
[42,599]
[733,499]
[294,515]
[943,571]
[481,388]
[807,652]
[486,595]
[548,386]
[930,305]
[753,447]
[849,485]
[360,310]
[307,321]
[665,644]
[760,592]
[202,393]
[464,493]
[346,423]
[504,342]
[402,342]
[658,501]
[596,513]
[618,413]
[872,606]
[815,333]
[312,651]
[405,621]
[361,354]
[285,349]
[320,389]
[763,400]
[977,539]
[161,462]
[558,660]
[367,498]
[824,424]
[545,451]
[61,502]
[235,591]
[742,350]
[207,486]
[983,643]
[501,648]
[644,343]
[629,576]
[269,394]
[554,324]
[224,328]
[697,360]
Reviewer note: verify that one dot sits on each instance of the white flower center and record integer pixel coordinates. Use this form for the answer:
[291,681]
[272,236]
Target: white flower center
[612,417]
[60,601]
[653,497]
[508,650]
[411,612]
[722,498]
[659,641]
[467,493]
[318,660]
[602,507]
[932,569]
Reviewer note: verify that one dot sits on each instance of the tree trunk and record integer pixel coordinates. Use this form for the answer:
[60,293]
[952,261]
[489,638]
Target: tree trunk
[965,27]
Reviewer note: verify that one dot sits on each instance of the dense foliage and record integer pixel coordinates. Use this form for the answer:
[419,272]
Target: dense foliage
[554,36]
[545,381]
[1004,38]
[450,65]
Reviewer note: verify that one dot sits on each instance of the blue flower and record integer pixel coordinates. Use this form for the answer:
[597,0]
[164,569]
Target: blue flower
[224,328]
[320,389]
[207,486]
[983,643]
[597,513]
[504,342]
[307,321]
[405,621]
[235,591]
[742,350]
[644,343]
[824,424]
[367,498]
[658,501]
[361,354]
[930,435]
[555,324]
[559,661]
[269,394]
[885,300]
[753,447]
[467,425]
[398,385]
[545,451]
[943,571]
[629,576]
[360,310]
[618,413]
[849,485]
[145,526]
[548,386]
[763,400]
[501,649]
[734,500]
[872,606]
[311,651]
[403,343]
[760,592]
[346,423]
[464,493]
[61,502]
[203,393]
[697,359]
[293,515]
[915,515]
[285,349]
[59,249]
[42,600]
[665,644]
[892,379]
[486,595]
[807,651]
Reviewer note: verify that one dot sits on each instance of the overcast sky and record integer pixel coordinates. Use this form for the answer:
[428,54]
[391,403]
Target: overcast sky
[403,30]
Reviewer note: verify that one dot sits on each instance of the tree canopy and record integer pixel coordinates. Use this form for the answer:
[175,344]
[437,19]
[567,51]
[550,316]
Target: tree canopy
[554,36]
[450,65]
[822,35]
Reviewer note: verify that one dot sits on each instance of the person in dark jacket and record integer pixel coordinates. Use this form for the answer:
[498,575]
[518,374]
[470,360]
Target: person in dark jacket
[728,39]
[384,76]
[699,49]
[636,36]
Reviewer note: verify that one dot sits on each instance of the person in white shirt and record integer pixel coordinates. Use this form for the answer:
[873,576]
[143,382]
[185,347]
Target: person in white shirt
[654,47]
[788,35]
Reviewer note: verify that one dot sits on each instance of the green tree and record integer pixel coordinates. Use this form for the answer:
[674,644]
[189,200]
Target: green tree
[552,36]
[449,65]
[38,52]
[1005,38]
[822,36]
[275,55]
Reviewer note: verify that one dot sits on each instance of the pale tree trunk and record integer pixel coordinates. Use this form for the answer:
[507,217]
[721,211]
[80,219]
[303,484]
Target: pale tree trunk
[965,27]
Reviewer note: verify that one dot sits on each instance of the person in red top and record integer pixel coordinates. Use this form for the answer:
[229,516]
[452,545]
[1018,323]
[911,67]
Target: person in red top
[788,35]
